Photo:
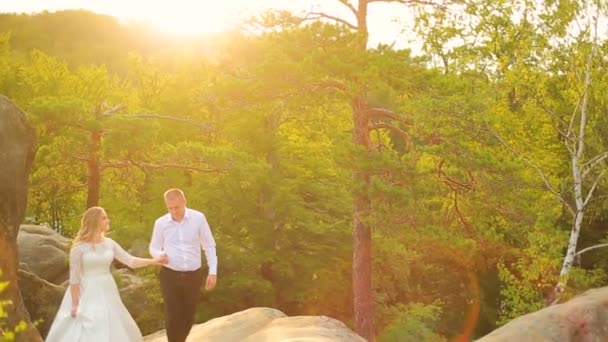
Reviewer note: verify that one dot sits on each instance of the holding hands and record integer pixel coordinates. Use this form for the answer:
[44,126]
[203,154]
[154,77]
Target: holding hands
[161,260]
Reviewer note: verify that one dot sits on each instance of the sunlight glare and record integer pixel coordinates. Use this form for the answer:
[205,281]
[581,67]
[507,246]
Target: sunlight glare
[197,18]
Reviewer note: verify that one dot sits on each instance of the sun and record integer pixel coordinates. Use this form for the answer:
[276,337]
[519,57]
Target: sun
[185,17]
[192,17]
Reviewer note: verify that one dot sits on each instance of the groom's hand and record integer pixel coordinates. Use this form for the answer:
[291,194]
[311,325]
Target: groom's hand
[163,259]
[211,281]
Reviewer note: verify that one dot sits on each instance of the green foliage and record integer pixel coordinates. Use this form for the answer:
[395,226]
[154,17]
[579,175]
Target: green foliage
[415,321]
[8,333]
[260,138]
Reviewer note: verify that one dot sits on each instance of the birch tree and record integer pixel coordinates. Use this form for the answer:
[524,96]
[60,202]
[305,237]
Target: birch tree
[587,169]
[545,62]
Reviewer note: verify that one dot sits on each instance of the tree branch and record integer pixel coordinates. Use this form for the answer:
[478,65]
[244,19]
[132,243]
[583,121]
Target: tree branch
[418,2]
[571,124]
[130,163]
[534,166]
[590,248]
[594,162]
[403,134]
[450,180]
[79,126]
[144,165]
[330,83]
[590,193]
[113,110]
[597,198]
[350,7]
[566,135]
[319,15]
[203,126]
[387,114]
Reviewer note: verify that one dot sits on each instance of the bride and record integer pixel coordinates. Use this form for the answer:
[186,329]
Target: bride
[91,309]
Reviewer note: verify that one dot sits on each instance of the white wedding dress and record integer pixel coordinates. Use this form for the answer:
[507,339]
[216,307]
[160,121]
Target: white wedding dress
[101,315]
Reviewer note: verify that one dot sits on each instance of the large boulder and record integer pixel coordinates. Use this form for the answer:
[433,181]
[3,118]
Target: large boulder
[44,252]
[41,298]
[582,319]
[17,150]
[267,325]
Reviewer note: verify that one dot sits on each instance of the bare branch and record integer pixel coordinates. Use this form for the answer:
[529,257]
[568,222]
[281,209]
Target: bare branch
[319,15]
[77,125]
[552,113]
[388,114]
[535,167]
[350,7]
[80,158]
[571,125]
[590,193]
[417,2]
[450,181]
[113,110]
[590,248]
[203,126]
[131,163]
[392,128]
[566,135]
[591,164]
[599,197]
[330,83]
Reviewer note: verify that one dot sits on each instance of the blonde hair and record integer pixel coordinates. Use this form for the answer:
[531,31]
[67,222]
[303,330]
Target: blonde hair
[174,194]
[90,227]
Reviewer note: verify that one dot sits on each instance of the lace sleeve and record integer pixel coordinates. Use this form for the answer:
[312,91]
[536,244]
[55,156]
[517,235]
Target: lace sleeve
[123,256]
[75,264]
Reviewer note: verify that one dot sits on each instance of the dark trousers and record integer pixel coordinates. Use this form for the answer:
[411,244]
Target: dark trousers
[181,292]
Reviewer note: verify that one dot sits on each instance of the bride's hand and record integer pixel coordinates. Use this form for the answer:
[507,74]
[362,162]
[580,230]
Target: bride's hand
[74,310]
[162,260]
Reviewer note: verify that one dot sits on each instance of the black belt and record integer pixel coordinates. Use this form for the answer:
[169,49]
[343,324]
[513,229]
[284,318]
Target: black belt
[181,273]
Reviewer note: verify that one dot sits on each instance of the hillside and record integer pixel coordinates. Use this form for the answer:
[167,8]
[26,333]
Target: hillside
[82,37]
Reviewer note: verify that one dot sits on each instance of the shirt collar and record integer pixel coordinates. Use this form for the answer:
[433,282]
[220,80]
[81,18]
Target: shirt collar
[186,216]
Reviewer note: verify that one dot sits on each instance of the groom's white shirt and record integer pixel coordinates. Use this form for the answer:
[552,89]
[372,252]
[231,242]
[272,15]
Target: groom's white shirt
[182,241]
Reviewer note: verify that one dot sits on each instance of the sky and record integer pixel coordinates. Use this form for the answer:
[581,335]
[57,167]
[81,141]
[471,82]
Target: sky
[189,17]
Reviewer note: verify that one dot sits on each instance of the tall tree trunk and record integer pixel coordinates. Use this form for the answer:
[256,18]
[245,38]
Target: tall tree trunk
[94,169]
[362,235]
[362,244]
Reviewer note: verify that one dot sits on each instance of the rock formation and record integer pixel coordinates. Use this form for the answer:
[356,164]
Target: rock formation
[44,252]
[17,150]
[267,325]
[582,319]
[41,299]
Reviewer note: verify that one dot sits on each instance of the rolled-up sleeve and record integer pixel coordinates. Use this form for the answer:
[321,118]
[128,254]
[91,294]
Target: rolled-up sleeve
[208,245]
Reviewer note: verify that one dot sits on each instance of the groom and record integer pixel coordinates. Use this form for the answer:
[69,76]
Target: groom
[178,237]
